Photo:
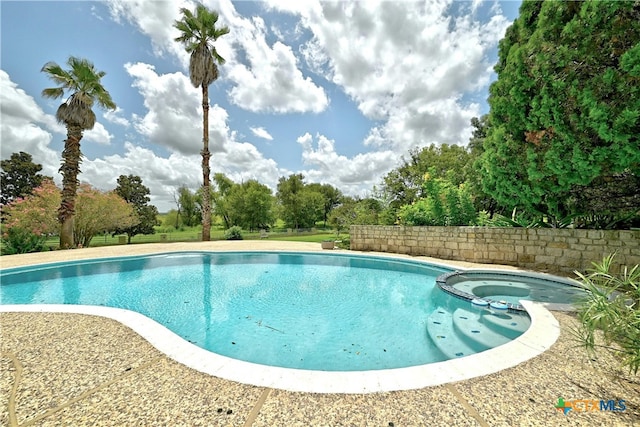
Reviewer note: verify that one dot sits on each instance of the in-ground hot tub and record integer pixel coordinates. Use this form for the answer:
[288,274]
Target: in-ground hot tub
[509,287]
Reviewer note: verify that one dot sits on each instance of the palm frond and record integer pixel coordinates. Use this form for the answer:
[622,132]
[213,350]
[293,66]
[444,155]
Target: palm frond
[60,77]
[53,92]
[198,31]
[220,31]
[82,80]
[612,306]
[217,56]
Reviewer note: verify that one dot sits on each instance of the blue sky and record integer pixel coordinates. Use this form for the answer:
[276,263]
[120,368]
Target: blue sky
[337,91]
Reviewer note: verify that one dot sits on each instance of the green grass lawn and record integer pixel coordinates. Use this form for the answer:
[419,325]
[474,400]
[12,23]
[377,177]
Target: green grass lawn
[193,235]
[305,237]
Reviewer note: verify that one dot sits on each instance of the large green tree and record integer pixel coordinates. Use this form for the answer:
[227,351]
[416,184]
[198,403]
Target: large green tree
[331,198]
[352,211]
[131,189]
[473,170]
[565,109]
[19,177]
[188,208]
[250,205]
[289,195]
[404,185]
[100,212]
[82,80]
[220,197]
[311,208]
[301,204]
[444,204]
[198,32]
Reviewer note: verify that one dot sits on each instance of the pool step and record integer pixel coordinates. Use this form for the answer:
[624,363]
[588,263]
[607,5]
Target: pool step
[470,326]
[508,324]
[441,331]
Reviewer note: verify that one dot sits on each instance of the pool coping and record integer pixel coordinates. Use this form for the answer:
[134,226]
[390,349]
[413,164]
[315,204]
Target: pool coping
[541,335]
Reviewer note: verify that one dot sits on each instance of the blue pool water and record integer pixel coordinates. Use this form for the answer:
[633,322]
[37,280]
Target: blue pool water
[308,311]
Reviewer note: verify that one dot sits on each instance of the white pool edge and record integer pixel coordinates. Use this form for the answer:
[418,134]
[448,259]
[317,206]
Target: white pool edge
[541,335]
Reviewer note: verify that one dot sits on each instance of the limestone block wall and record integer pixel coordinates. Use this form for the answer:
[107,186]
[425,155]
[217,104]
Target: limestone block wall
[560,251]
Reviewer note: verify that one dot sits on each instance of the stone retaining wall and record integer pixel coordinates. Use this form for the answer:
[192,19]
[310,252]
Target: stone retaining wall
[541,249]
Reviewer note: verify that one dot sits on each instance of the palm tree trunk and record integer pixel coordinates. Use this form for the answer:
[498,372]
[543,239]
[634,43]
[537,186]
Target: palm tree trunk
[70,169]
[206,155]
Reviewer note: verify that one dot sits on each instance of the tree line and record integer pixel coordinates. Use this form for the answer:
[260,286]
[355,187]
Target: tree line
[30,201]
[253,206]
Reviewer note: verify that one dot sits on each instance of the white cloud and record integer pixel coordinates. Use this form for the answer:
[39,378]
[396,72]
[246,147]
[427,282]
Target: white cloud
[261,132]
[271,81]
[174,114]
[267,79]
[174,121]
[475,5]
[116,117]
[155,19]
[95,14]
[405,64]
[98,134]
[25,127]
[408,66]
[164,175]
[354,175]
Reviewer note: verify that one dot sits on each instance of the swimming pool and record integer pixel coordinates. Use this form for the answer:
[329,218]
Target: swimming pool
[79,293]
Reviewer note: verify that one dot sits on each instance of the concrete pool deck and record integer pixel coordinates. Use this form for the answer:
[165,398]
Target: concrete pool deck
[78,369]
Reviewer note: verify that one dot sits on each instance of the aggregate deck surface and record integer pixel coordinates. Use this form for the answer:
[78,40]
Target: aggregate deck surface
[71,369]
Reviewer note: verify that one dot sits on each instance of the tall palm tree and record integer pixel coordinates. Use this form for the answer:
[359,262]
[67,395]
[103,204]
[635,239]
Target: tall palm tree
[83,81]
[198,32]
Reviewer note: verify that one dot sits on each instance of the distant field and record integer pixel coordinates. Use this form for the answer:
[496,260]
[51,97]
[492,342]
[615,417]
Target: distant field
[193,235]
[305,237]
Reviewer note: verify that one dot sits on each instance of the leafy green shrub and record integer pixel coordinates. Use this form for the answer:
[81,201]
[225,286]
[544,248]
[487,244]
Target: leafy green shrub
[166,230]
[445,204]
[344,243]
[613,306]
[419,213]
[20,241]
[171,219]
[483,219]
[233,233]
